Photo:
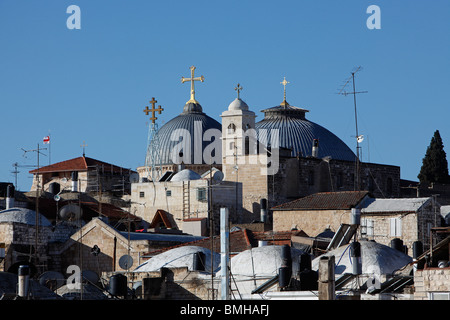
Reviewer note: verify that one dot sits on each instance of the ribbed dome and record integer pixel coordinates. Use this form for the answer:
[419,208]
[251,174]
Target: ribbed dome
[196,123]
[298,133]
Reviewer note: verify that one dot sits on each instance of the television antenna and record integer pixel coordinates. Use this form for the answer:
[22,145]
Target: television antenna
[38,152]
[358,137]
[16,171]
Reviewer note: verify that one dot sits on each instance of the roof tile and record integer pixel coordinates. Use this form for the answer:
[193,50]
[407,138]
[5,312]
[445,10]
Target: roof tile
[326,200]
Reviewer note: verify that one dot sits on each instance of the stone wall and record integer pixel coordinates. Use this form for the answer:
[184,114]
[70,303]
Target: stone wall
[20,241]
[431,280]
[312,222]
[170,197]
[318,175]
[415,226]
[112,245]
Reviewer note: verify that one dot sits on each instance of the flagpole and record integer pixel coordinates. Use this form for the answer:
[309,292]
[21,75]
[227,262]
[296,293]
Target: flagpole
[49,149]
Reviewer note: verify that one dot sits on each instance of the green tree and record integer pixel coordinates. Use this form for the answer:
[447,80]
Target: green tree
[434,164]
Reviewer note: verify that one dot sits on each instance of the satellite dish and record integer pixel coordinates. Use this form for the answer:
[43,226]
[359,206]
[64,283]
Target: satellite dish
[64,180]
[125,262]
[70,212]
[52,280]
[90,276]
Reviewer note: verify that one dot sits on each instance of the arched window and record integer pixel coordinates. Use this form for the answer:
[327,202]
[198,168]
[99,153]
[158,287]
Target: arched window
[231,128]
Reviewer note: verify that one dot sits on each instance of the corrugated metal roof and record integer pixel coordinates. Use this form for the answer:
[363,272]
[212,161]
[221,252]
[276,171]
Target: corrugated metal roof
[343,200]
[394,205]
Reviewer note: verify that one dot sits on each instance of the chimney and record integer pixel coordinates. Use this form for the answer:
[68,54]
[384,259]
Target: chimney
[224,254]
[10,197]
[263,212]
[75,181]
[315,148]
[23,283]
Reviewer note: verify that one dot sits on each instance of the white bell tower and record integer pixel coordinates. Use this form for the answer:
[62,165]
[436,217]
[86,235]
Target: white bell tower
[238,131]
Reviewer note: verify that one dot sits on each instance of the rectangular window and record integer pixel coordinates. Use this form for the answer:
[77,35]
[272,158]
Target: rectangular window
[367,227]
[201,194]
[439,295]
[395,227]
[168,193]
[141,194]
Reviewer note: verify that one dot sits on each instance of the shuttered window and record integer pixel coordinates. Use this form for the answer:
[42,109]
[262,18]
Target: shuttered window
[395,227]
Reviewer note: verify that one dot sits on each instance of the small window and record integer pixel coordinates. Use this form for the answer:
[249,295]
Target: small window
[168,193]
[395,227]
[439,295]
[367,227]
[141,194]
[201,194]
[231,128]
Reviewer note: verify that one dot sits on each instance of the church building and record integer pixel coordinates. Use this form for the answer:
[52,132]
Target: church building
[266,163]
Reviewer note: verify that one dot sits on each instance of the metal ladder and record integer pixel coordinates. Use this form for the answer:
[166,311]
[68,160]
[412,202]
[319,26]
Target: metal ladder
[186,199]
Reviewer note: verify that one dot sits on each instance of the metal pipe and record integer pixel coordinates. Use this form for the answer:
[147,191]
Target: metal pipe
[224,254]
[23,283]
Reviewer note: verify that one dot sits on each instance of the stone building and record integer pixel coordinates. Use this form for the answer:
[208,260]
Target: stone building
[187,199]
[22,240]
[99,247]
[407,219]
[84,174]
[278,159]
[314,213]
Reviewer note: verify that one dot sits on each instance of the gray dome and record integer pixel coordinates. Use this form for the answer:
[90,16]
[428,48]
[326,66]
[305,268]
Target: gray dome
[191,119]
[185,175]
[237,104]
[179,257]
[22,215]
[376,258]
[298,133]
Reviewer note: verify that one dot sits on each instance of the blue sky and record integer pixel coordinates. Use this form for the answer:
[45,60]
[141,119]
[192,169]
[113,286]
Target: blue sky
[92,84]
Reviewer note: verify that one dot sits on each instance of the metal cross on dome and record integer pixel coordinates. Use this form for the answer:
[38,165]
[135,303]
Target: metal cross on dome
[284,83]
[192,79]
[153,110]
[238,88]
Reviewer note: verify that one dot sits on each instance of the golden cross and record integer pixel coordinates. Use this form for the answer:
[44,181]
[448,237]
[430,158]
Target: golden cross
[284,83]
[192,79]
[238,89]
[83,145]
[153,110]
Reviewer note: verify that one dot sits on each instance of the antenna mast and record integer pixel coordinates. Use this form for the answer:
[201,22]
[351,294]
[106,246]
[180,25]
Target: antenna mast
[38,151]
[358,137]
